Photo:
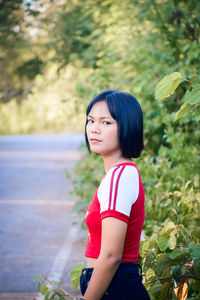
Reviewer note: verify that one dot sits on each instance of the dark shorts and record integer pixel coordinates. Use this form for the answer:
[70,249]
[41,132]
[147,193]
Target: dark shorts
[125,285]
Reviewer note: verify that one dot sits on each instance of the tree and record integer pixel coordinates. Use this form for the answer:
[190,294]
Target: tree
[20,62]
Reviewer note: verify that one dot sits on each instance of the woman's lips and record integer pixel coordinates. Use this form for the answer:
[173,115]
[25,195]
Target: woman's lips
[94,141]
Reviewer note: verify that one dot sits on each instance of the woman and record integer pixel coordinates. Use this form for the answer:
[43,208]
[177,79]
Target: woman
[114,129]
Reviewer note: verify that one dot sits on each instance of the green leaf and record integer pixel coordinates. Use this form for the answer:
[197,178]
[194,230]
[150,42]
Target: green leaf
[149,259]
[43,289]
[196,180]
[163,242]
[145,247]
[167,85]
[172,241]
[169,227]
[182,111]
[39,284]
[190,217]
[193,97]
[196,234]
[75,275]
[47,295]
[194,250]
[197,266]
[176,273]
[62,292]
[164,292]
[163,262]
[178,254]
[156,287]
[67,174]
[153,243]
[58,283]
[195,285]
[194,80]
[150,274]
[37,277]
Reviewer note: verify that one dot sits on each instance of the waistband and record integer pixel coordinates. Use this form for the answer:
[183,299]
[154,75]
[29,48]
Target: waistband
[124,266]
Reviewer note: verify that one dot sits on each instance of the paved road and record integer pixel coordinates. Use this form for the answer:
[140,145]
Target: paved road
[36,232]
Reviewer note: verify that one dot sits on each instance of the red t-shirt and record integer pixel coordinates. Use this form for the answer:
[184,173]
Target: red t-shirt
[120,195]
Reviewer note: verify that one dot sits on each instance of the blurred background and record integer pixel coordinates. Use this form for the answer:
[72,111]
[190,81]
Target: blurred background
[55,56]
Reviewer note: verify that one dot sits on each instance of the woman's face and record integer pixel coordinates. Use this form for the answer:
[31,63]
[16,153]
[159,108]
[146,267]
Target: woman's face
[102,131]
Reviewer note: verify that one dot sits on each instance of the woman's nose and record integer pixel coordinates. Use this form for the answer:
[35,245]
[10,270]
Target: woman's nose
[95,128]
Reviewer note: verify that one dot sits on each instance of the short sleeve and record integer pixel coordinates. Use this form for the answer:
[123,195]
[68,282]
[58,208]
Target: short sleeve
[118,191]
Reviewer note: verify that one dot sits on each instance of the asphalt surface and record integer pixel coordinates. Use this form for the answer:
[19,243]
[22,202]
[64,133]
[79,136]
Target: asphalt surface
[37,231]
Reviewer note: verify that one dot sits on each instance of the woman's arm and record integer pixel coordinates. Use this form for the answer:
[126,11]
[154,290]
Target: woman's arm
[112,245]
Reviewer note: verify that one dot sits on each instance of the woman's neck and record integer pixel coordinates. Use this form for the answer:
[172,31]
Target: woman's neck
[110,162]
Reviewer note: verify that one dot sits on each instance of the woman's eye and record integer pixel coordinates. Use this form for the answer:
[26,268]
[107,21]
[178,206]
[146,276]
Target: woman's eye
[106,122]
[90,121]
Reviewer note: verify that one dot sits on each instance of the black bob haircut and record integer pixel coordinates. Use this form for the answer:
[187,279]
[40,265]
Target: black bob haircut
[126,110]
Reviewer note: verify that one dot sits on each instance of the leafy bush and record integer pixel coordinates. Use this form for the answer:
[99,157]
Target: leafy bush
[50,289]
[171,262]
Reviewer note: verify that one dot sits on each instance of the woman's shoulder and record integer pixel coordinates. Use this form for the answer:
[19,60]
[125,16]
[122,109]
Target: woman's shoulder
[126,169]
[122,174]
[120,185]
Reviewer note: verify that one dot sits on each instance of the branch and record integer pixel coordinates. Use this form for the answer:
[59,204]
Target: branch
[164,278]
[56,288]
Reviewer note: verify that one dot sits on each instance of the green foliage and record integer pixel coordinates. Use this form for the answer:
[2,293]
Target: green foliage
[110,45]
[178,159]
[30,68]
[75,275]
[19,58]
[167,85]
[170,259]
[49,289]
[47,109]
